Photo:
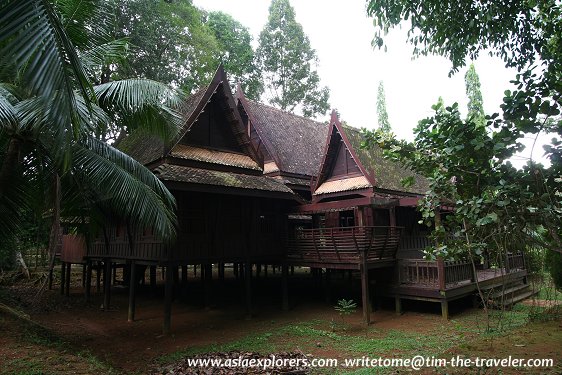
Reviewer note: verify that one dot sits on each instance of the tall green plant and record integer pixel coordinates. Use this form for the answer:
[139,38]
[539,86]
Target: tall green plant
[382,114]
[475,102]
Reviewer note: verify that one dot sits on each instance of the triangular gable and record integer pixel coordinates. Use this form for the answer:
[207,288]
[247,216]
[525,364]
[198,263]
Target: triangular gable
[213,121]
[340,163]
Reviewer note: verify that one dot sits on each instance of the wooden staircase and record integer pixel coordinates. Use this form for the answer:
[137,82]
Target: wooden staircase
[504,296]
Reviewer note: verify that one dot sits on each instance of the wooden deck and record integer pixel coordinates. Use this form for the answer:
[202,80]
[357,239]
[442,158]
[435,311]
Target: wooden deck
[344,247]
[444,281]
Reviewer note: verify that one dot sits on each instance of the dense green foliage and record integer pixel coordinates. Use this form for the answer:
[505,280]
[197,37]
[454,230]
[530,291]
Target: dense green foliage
[287,63]
[475,101]
[235,52]
[498,208]
[53,111]
[383,123]
[169,42]
[553,262]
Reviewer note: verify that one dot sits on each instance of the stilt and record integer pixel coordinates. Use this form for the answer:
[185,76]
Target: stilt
[365,293]
[258,270]
[62,277]
[207,283]
[285,287]
[328,286]
[398,303]
[265,271]
[83,276]
[195,270]
[235,270]
[203,270]
[98,277]
[153,279]
[221,272]
[168,291]
[106,284]
[248,283]
[292,270]
[132,291]
[445,309]
[68,274]
[88,287]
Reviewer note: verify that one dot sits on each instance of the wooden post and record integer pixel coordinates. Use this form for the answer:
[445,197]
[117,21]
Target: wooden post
[153,279]
[62,277]
[83,276]
[106,284]
[221,272]
[168,295]
[207,274]
[132,290]
[285,287]
[441,273]
[445,309]
[68,274]
[365,289]
[88,288]
[328,286]
[248,283]
[398,303]
[98,277]
[184,281]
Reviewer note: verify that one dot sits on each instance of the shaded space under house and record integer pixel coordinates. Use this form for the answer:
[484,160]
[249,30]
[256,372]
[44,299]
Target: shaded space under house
[256,186]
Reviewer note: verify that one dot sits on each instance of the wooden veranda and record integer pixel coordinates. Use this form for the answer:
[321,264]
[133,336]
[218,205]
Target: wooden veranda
[444,281]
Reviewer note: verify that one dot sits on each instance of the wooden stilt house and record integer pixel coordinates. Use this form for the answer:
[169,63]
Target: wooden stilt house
[256,185]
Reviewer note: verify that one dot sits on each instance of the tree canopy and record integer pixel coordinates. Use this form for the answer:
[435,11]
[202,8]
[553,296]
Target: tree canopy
[288,64]
[235,52]
[169,42]
[498,208]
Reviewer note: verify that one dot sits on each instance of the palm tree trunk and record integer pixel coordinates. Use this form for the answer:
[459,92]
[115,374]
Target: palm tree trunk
[54,237]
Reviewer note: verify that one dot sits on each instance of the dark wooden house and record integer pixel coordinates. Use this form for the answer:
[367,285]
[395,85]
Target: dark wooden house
[256,185]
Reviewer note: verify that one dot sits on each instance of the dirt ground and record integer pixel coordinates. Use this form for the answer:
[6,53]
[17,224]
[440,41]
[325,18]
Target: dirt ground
[137,346]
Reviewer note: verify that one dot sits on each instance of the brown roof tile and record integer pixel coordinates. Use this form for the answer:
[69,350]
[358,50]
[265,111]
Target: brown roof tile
[297,142]
[213,156]
[170,172]
[387,173]
[335,186]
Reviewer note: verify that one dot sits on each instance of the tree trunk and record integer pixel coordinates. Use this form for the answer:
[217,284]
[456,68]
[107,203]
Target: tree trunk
[24,269]
[54,237]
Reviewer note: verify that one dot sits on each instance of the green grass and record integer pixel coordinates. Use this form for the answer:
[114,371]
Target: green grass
[373,341]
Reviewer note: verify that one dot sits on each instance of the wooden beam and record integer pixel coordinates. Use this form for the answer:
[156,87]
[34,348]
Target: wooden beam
[326,206]
[398,303]
[132,291]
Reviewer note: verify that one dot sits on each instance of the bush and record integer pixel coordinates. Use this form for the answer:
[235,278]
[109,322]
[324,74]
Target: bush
[554,264]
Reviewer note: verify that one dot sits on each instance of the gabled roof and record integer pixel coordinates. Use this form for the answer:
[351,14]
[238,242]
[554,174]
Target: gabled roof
[295,143]
[147,148]
[373,170]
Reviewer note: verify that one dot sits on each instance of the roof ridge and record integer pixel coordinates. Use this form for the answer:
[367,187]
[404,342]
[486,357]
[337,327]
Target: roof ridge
[286,112]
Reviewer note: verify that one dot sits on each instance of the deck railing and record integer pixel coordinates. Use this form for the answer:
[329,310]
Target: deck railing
[343,244]
[446,274]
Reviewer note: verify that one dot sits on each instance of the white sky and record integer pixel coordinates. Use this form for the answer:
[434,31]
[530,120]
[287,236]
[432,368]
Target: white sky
[341,34]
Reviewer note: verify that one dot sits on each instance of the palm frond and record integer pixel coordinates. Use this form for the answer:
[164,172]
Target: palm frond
[130,189]
[143,103]
[36,43]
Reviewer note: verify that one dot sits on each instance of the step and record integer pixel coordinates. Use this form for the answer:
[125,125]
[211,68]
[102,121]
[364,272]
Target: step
[511,301]
[510,290]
